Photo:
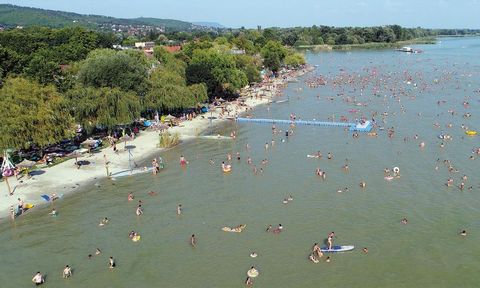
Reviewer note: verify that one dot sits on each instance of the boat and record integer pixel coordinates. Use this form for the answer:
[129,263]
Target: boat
[408,50]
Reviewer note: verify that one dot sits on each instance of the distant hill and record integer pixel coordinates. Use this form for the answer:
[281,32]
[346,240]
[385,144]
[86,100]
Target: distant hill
[209,24]
[12,16]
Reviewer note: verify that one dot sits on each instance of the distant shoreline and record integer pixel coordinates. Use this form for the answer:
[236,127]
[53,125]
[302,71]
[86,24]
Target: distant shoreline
[369,45]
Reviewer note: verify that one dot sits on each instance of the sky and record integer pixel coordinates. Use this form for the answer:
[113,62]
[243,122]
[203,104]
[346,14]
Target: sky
[282,13]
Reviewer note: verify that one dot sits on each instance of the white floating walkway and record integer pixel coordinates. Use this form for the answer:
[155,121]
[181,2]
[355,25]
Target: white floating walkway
[360,127]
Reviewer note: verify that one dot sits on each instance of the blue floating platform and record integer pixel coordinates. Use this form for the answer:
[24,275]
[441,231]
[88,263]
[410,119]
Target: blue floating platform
[359,127]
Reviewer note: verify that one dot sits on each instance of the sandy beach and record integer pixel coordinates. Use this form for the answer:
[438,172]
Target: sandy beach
[65,178]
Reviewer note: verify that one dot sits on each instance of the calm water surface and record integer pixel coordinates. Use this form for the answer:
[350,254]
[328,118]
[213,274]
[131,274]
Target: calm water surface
[427,252]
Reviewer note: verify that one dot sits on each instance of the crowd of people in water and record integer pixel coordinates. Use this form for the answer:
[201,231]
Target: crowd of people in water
[370,81]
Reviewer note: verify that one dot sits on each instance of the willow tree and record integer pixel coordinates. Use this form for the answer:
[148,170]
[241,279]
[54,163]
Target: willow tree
[126,70]
[169,92]
[31,114]
[103,107]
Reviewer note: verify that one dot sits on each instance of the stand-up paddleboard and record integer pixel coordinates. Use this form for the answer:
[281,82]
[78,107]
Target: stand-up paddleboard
[131,172]
[337,248]
[48,198]
[312,156]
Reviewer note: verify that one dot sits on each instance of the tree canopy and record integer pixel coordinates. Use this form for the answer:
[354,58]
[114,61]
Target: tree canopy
[104,107]
[218,71]
[126,70]
[32,114]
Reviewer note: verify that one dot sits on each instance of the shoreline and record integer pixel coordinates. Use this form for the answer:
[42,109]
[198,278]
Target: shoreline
[65,179]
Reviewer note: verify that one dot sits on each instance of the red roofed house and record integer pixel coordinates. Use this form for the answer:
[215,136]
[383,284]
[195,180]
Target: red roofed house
[172,49]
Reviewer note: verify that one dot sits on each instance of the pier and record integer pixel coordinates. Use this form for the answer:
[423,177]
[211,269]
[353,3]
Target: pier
[359,127]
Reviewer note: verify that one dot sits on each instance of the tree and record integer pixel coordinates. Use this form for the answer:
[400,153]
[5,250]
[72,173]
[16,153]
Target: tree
[31,114]
[273,54]
[217,71]
[126,70]
[295,60]
[169,92]
[105,107]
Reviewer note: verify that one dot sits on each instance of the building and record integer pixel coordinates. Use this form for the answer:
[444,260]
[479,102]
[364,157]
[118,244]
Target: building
[144,45]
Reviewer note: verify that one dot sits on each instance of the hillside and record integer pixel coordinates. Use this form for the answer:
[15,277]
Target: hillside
[12,16]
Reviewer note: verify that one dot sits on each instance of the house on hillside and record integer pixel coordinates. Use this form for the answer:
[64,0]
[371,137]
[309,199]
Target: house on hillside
[144,45]
[173,49]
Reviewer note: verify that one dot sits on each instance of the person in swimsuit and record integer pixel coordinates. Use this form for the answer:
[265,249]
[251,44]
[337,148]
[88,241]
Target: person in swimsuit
[330,240]
[179,209]
[38,279]
[193,241]
[111,263]
[67,272]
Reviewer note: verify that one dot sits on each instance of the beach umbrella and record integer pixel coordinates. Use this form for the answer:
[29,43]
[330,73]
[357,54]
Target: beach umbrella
[89,142]
[26,164]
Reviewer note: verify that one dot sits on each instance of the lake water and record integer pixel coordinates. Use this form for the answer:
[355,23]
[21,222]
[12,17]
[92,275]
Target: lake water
[427,252]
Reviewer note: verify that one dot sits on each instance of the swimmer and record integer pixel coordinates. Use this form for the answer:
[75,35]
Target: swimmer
[139,210]
[152,193]
[103,222]
[285,201]
[463,233]
[313,258]
[317,251]
[290,198]
[365,250]
[111,263]
[249,282]
[89,256]
[183,161]
[363,184]
[328,259]
[329,156]
[253,255]
[278,229]
[269,228]
[38,279]
[130,196]
[98,252]
[131,234]
[252,271]
[67,272]
[54,212]
[179,209]
[193,241]
[404,221]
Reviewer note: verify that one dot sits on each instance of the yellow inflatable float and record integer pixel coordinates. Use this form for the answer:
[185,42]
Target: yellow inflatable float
[237,229]
[471,132]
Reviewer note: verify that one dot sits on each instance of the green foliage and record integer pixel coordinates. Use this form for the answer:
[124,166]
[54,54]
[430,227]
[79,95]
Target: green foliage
[169,92]
[249,65]
[126,70]
[32,114]
[273,54]
[104,106]
[295,60]
[168,140]
[218,71]
[12,16]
